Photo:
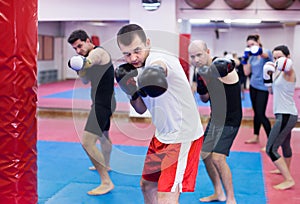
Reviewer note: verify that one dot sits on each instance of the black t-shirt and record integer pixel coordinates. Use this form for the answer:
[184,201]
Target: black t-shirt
[225,102]
[102,83]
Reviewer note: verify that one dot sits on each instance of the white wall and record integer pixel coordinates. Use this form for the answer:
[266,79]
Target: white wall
[52,29]
[234,39]
[60,18]
[91,10]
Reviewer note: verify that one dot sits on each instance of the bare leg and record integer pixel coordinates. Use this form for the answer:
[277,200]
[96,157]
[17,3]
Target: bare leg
[149,190]
[215,178]
[288,180]
[222,167]
[106,147]
[89,144]
[288,163]
[253,140]
[169,197]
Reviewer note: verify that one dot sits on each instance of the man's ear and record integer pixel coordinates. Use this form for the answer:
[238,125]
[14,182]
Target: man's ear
[148,42]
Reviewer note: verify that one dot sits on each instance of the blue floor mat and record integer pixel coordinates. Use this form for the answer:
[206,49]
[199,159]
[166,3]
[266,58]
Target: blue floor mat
[64,178]
[84,94]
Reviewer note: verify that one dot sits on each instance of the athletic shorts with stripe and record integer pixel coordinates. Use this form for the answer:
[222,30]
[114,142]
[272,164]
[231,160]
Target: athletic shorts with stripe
[172,165]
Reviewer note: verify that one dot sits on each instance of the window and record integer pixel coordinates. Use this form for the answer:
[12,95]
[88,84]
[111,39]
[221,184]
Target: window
[46,47]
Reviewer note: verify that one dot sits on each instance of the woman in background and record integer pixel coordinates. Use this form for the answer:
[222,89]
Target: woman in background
[253,61]
[285,111]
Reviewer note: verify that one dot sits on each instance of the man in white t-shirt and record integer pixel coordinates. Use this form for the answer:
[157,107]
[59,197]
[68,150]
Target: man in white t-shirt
[172,159]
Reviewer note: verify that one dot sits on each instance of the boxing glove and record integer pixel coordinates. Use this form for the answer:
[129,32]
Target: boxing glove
[201,85]
[222,66]
[152,81]
[124,75]
[247,53]
[76,62]
[283,64]
[268,70]
[256,50]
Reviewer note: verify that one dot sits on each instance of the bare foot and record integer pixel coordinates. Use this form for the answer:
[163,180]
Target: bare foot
[102,189]
[253,140]
[275,171]
[93,168]
[213,197]
[285,185]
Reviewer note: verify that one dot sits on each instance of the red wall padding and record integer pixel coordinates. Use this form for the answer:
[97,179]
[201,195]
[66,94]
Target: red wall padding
[18,97]
[184,41]
[95,39]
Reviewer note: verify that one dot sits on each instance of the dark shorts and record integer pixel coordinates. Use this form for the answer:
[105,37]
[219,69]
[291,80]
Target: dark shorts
[92,124]
[219,139]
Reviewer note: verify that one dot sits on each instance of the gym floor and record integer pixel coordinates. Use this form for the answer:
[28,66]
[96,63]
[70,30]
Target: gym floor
[64,177]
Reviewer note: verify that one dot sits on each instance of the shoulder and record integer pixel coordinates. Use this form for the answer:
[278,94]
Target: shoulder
[267,54]
[99,50]
[231,78]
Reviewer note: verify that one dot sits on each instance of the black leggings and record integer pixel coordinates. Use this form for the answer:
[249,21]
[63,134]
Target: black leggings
[259,100]
[280,135]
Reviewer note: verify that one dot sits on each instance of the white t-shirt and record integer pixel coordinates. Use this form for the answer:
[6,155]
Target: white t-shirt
[174,113]
[283,96]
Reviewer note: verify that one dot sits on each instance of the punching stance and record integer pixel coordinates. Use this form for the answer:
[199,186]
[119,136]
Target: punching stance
[93,64]
[253,61]
[218,83]
[172,159]
[284,108]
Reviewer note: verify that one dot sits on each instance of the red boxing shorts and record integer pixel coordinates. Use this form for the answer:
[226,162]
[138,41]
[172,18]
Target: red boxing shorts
[172,165]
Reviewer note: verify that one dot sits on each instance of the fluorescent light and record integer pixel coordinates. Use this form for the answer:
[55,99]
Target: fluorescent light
[98,23]
[199,21]
[245,21]
[151,6]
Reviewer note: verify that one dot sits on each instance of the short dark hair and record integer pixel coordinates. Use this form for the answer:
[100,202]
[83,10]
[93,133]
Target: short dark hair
[253,37]
[128,32]
[78,34]
[284,49]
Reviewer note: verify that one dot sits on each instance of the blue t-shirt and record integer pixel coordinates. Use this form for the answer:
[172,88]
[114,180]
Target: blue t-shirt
[257,64]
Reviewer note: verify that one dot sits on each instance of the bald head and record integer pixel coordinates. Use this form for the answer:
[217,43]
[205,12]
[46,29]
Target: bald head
[197,45]
[199,53]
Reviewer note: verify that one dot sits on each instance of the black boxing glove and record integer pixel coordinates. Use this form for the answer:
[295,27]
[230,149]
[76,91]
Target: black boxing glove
[124,75]
[152,81]
[222,66]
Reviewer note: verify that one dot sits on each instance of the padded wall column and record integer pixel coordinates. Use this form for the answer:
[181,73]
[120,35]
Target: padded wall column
[184,41]
[18,96]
